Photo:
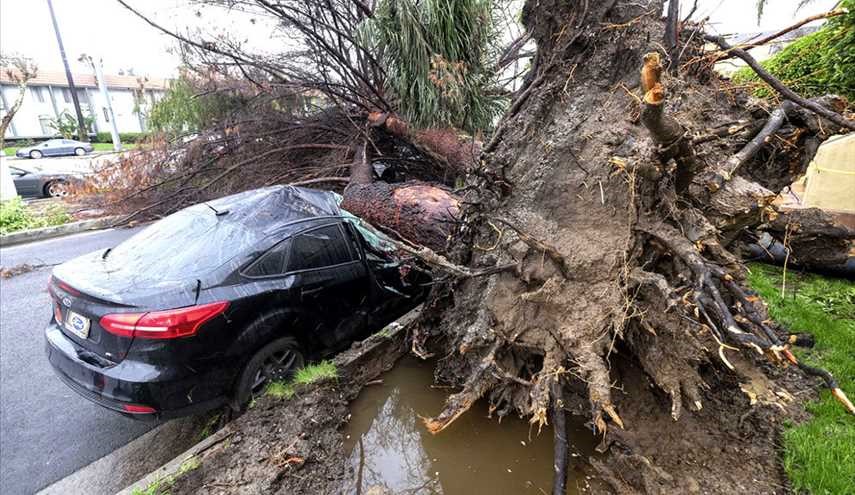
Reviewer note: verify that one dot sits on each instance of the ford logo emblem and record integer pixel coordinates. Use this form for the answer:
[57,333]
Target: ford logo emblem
[66,301]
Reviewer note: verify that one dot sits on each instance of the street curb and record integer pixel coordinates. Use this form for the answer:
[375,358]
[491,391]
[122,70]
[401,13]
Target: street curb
[25,236]
[374,344]
[172,467]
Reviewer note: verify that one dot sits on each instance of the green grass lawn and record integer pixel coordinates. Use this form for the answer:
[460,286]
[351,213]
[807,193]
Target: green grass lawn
[10,150]
[819,455]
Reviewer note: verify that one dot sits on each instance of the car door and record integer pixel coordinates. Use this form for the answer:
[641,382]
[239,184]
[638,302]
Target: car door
[331,284]
[68,146]
[49,148]
[26,183]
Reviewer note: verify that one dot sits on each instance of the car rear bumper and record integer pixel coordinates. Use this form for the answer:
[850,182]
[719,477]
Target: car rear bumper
[129,383]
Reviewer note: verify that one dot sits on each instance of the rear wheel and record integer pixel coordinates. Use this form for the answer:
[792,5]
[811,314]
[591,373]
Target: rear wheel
[56,189]
[35,154]
[277,361]
[79,151]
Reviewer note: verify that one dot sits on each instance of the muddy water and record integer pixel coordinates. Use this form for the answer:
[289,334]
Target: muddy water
[391,452]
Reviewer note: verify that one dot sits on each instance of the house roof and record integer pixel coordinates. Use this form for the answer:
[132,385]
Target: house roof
[57,78]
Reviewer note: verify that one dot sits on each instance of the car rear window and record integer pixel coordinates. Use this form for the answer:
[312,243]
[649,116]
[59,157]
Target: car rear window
[184,245]
[317,248]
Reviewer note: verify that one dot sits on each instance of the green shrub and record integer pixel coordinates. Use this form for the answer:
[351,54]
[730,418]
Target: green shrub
[819,63]
[125,137]
[15,216]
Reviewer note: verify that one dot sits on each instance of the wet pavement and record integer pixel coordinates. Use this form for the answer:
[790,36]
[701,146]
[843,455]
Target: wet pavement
[46,430]
[392,452]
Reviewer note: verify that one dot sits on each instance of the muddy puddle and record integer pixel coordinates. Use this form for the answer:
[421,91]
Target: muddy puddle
[390,451]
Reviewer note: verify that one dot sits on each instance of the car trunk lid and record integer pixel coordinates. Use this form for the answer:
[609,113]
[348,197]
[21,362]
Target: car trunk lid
[87,288]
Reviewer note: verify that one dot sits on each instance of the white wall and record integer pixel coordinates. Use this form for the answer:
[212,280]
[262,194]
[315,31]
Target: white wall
[26,121]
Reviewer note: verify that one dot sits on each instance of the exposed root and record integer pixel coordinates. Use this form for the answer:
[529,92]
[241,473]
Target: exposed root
[559,435]
[479,381]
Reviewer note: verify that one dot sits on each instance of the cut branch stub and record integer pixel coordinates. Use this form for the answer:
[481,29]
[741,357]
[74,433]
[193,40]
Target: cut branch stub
[666,132]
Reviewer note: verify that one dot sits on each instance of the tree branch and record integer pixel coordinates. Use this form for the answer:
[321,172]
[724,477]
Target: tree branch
[779,86]
[773,36]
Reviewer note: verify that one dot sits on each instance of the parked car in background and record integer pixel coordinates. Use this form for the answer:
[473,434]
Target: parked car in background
[38,183]
[55,147]
[208,305]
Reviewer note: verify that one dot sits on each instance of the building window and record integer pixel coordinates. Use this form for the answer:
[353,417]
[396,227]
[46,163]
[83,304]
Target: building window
[66,95]
[45,123]
[38,94]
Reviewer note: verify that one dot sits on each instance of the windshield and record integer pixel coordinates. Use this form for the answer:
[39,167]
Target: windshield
[184,245]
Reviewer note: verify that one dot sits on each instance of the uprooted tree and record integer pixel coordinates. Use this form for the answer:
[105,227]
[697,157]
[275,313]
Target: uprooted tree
[601,220]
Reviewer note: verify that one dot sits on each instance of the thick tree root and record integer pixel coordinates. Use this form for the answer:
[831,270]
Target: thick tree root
[559,435]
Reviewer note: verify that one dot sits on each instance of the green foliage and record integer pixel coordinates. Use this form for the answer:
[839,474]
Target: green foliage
[819,63]
[437,58]
[280,390]
[185,109]
[325,370]
[125,137]
[14,216]
[819,455]
[65,124]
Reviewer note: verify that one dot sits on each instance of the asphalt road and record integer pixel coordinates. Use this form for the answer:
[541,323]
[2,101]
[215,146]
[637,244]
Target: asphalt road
[46,431]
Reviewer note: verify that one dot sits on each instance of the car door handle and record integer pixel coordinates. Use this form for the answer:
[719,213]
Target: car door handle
[306,292]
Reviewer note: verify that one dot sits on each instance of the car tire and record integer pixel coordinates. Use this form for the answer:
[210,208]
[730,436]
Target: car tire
[277,361]
[79,151]
[56,189]
[36,154]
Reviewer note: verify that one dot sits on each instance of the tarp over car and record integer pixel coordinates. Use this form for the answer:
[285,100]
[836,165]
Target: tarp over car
[830,178]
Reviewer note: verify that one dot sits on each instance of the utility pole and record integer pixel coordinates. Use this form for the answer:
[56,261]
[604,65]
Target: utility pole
[102,85]
[82,132]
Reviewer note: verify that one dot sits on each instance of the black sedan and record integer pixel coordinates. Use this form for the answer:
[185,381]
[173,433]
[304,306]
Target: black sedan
[206,306]
[39,183]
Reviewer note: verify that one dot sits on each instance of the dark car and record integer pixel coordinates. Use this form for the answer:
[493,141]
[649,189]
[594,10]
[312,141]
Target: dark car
[55,147]
[39,183]
[204,307]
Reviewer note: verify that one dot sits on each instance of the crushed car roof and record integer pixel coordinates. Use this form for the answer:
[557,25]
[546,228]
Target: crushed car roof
[273,207]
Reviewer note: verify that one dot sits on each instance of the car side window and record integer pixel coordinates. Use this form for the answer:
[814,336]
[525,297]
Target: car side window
[318,248]
[270,263]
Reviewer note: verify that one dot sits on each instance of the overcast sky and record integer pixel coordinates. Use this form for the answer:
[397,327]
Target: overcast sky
[106,29]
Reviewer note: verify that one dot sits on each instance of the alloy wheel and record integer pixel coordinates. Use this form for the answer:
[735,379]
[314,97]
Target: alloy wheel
[57,190]
[279,366]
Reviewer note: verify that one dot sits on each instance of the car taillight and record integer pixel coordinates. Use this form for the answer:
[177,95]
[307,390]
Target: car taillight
[169,324]
[138,409]
[121,324]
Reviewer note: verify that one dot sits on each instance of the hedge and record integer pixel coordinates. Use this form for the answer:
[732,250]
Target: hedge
[126,137]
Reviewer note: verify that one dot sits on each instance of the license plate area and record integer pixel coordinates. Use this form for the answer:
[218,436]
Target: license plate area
[77,324]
